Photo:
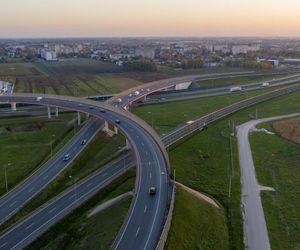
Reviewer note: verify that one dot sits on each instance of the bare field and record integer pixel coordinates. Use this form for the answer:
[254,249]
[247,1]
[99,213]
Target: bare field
[288,129]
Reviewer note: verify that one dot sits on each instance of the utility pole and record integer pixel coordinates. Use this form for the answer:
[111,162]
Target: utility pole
[5,174]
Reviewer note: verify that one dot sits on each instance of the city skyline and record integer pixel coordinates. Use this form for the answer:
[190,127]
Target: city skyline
[92,18]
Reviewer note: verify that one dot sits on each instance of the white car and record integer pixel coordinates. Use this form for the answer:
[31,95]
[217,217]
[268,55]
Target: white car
[39,98]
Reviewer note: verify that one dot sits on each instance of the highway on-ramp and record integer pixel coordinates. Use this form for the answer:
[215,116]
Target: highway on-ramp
[255,229]
[146,218]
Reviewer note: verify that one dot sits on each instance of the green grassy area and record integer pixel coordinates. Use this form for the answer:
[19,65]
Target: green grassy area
[75,85]
[196,224]
[99,152]
[277,165]
[18,69]
[77,231]
[75,66]
[26,143]
[169,115]
[240,80]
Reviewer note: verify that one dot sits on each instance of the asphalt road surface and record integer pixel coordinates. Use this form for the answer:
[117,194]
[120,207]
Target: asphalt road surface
[255,229]
[11,202]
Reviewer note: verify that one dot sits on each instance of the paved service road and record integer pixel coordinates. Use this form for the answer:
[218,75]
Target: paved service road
[22,193]
[255,229]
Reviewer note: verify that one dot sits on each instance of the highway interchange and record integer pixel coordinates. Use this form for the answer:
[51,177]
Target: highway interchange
[133,233]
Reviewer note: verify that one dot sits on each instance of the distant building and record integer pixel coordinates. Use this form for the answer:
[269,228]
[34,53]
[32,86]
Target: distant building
[274,62]
[48,55]
[244,49]
[145,52]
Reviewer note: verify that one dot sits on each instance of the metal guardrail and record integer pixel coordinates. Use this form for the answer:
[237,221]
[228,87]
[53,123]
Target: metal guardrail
[187,129]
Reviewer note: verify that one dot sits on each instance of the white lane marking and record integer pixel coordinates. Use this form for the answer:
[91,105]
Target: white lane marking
[137,232]
[147,153]
[4,244]
[143,144]
[52,210]
[90,184]
[12,203]
[150,175]
[149,163]
[145,209]
[71,197]
[29,226]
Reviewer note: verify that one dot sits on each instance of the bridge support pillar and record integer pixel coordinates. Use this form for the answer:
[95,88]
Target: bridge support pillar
[49,112]
[116,130]
[78,119]
[127,145]
[56,111]
[13,106]
[107,130]
[87,116]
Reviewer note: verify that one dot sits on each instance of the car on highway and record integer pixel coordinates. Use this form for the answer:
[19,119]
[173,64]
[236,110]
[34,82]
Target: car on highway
[102,111]
[83,142]
[66,157]
[117,121]
[152,190]
[39,98]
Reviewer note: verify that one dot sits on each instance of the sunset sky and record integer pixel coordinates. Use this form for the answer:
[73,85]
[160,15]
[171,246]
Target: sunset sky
[69,18]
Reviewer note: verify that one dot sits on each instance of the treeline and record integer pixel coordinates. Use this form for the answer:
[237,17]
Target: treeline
[140,65]
[192,64]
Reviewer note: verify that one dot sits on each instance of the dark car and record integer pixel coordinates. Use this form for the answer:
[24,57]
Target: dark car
[83,142]
[117,121]
[102,111]
[152,190]
[66,157]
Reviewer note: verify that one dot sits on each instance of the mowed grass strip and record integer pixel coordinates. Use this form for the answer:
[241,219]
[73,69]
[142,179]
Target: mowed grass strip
[239,80]
[26,143]
[196,224]
[277,165]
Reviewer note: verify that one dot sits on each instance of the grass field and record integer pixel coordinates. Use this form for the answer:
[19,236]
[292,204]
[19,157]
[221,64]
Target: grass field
[18,69]
[288,129]
[237,80]
[25,144]
[169,115]
[196,225]
[75,85]
[100,151]
[277,165]
[76,231]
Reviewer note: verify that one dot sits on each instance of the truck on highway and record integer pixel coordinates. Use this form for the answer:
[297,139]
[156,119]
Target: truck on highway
[236,89]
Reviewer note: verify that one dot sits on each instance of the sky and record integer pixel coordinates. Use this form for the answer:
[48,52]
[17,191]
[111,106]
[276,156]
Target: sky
[100,18]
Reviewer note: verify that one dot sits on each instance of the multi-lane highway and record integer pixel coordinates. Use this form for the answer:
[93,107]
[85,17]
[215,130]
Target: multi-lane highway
[143,226]
[22,193]
[255,229]
[54,210]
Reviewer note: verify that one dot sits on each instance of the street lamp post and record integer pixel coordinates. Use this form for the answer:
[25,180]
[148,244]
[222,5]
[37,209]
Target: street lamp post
[5,174]
[74,183]
[51,144]
[151,113]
